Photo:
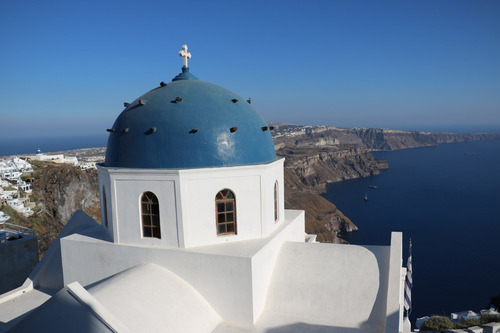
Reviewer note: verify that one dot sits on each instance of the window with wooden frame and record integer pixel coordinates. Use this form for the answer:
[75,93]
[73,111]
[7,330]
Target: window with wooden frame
[276,206]
[150,209]
[225,212]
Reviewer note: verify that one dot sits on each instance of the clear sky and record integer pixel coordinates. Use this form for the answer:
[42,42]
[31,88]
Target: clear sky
[66,67]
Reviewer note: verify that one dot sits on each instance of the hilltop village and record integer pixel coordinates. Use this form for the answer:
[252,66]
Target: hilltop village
[17,176]
[14,189]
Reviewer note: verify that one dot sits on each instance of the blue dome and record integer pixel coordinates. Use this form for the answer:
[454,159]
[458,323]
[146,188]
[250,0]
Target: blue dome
[188,123]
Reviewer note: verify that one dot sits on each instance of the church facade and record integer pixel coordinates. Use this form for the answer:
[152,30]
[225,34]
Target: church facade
[195,236]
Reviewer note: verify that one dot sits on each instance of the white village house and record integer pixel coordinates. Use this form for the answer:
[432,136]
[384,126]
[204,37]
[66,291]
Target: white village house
[11,171]
[3,217]
[55,158]
[195,236]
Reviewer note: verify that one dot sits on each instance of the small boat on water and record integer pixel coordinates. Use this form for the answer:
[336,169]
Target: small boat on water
[373,187]
[366,197]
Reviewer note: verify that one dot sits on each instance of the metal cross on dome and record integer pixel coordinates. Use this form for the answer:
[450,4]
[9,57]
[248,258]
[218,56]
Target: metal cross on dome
[185,54]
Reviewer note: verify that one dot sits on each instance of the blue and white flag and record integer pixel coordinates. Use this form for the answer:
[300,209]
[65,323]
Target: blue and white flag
[408,284]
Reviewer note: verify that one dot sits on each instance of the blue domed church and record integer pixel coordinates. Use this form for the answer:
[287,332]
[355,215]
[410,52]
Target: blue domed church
[204,167]
[195,236]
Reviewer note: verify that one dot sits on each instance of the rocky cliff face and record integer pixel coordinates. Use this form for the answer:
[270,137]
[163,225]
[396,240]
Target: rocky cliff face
[317,155]
[383,139]
[58,190]
[308,170]
[314,168]
[371,138]
[62,189]
[322,217]
[314,157]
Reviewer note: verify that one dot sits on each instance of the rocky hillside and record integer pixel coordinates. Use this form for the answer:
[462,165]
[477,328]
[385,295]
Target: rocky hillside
[322,217]
[63,188]
[314,157]
[313,168]
[308,170]
[58,190]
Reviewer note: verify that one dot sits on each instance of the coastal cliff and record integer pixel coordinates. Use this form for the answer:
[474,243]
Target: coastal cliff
[385,139]
[313,168]
[322,217]
[309,169]
[317,155]
[371,138]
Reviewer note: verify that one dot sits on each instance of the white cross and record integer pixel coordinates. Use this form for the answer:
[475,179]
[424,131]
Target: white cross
[185,54]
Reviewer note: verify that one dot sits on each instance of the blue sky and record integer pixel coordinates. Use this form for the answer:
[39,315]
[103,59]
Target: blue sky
[66,67]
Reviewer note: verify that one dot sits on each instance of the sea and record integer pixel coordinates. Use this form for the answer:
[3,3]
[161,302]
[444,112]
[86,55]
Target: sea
[445,198]
[30,145]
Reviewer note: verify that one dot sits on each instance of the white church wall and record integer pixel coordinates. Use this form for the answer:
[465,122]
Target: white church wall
[200,215]
[225,281]
[129,218]
[234,283]
[187,202]
[124,189]
[274,174]
[395,288]
[356,277]
[253,187]
[264,261]
[106,198]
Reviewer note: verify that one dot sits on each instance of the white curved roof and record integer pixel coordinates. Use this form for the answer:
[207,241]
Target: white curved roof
[162,302]
[330,284]
[145,298]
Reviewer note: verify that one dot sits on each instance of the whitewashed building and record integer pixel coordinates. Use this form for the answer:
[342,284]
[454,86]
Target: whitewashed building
[195,236]
[19,206]
[55,158]
[3,217]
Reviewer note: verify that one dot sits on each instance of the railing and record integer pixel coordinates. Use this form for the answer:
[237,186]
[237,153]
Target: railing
[9,230]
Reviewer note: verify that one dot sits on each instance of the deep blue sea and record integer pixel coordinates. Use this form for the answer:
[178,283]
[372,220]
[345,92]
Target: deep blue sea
[28,145]
[447,199]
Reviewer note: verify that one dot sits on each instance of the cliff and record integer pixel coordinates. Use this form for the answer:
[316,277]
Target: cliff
[313,168]
[384,139]
[317,155]
[64,188]
[307,171]
[58,190]
[314,157]
[371,138]
[322,217]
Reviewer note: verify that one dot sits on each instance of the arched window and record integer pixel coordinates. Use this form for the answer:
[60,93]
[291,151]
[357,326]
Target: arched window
[276,206]
[150,215]
[225,210]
